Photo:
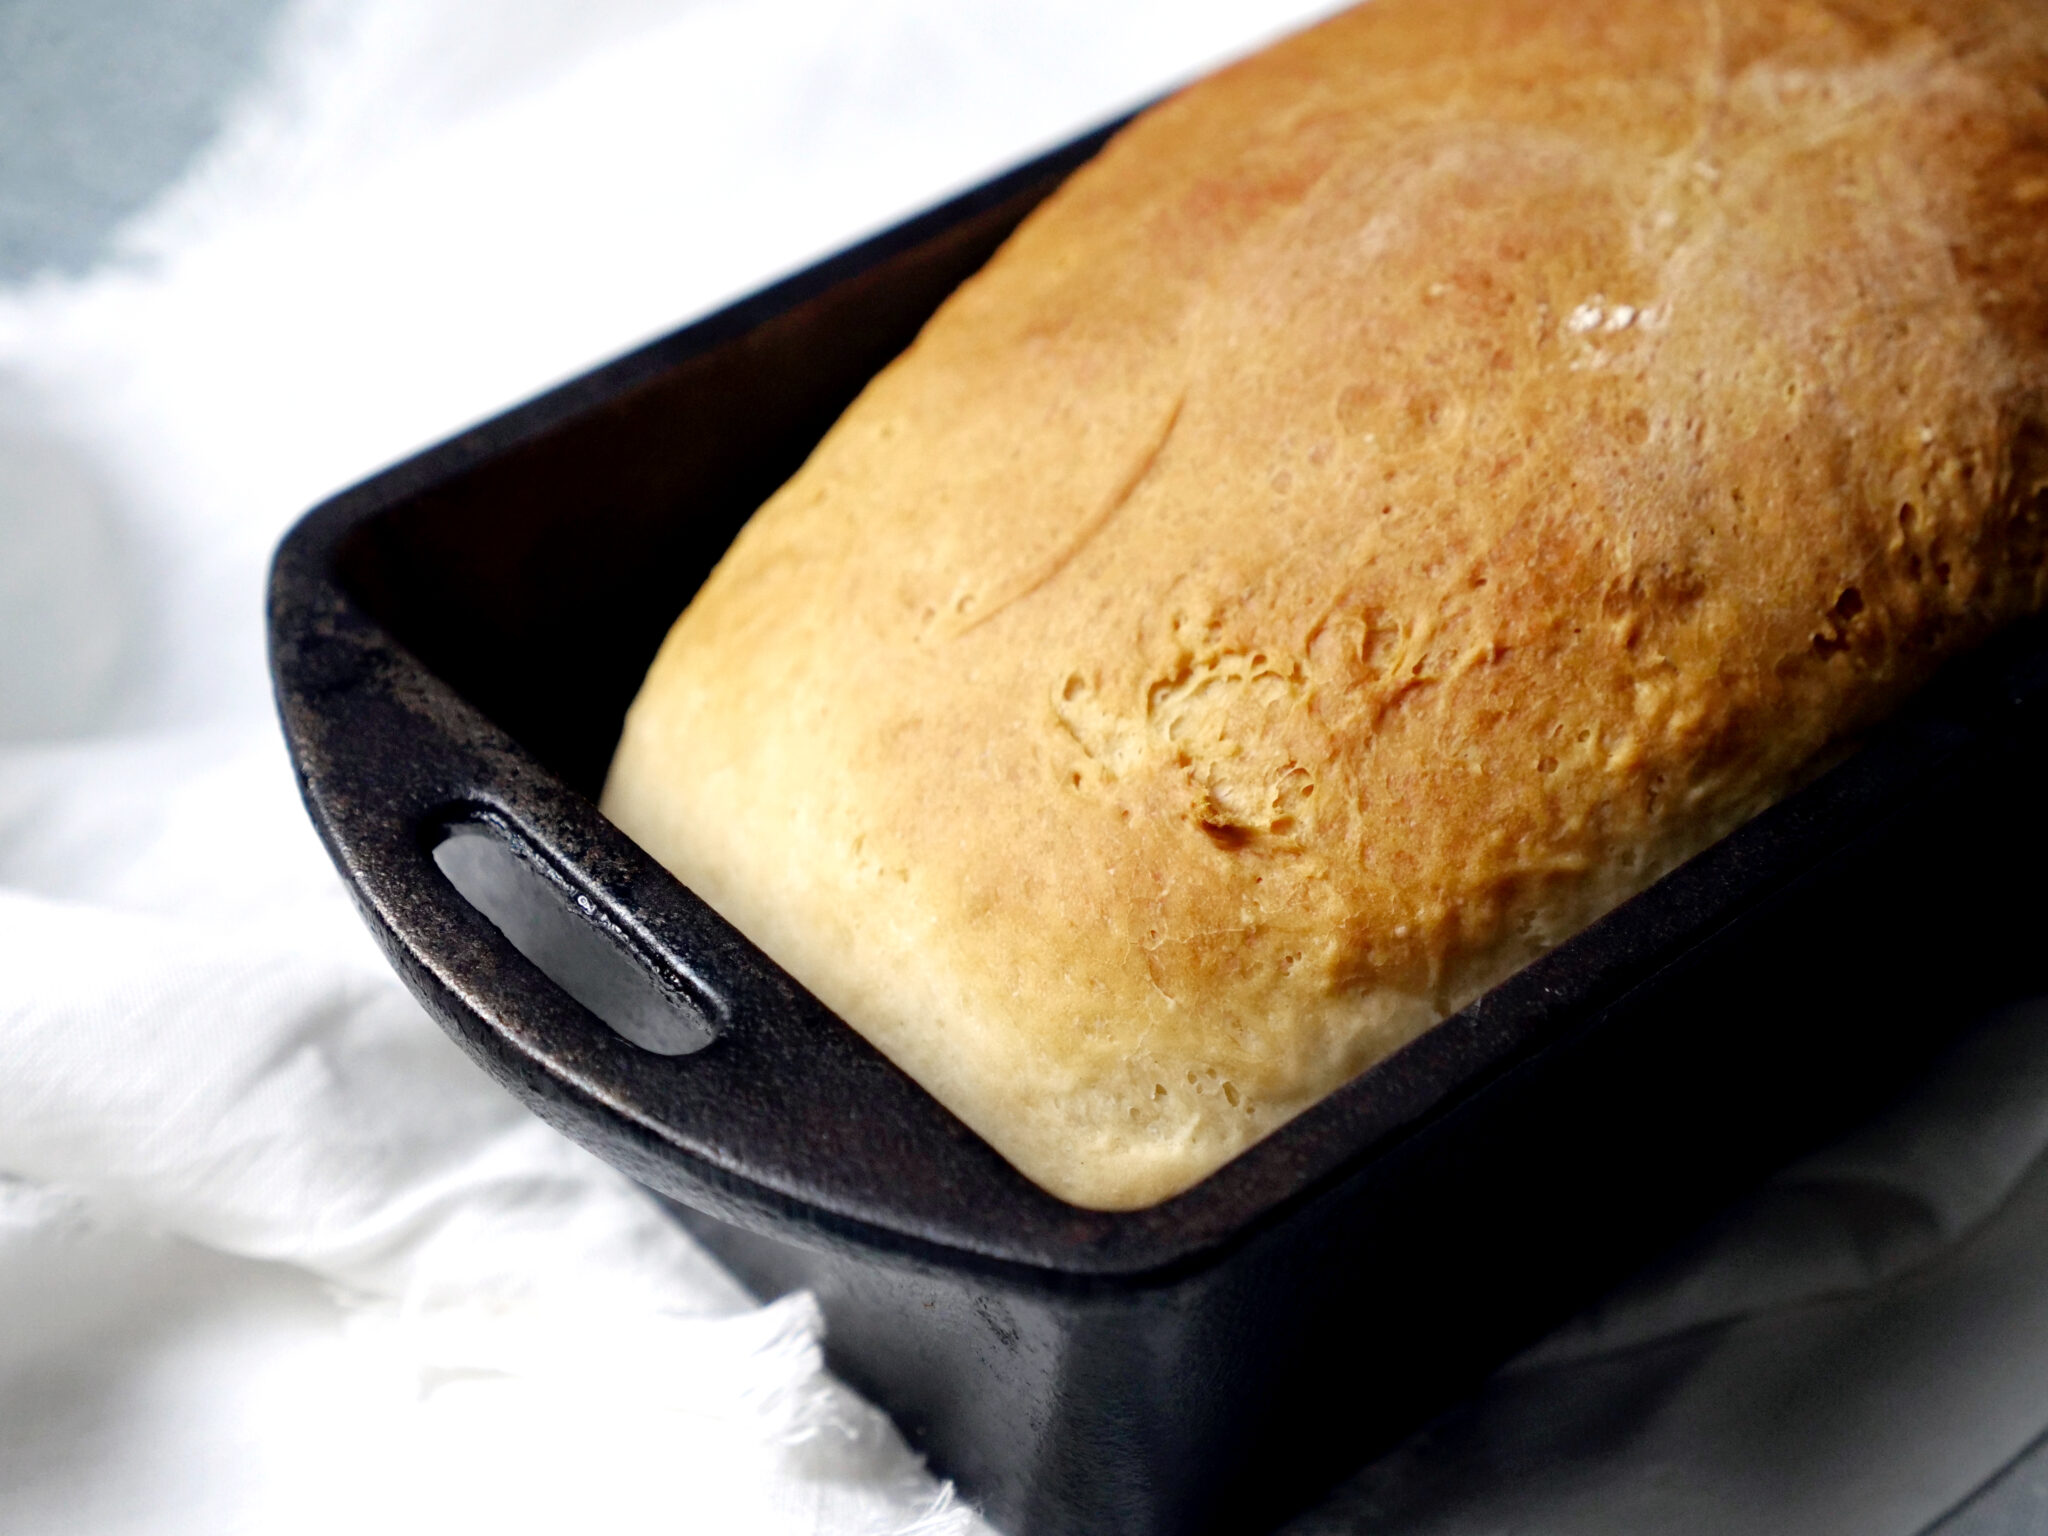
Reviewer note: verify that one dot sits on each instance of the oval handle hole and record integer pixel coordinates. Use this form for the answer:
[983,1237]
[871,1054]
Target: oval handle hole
[562,932]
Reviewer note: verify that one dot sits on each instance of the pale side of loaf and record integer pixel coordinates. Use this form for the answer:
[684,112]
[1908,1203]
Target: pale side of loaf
[1411,490]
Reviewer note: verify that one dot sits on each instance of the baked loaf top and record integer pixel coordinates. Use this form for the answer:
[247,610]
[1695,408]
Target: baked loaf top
[1411,490]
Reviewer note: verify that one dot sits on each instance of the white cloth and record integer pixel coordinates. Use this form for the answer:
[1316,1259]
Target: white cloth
[273,1254]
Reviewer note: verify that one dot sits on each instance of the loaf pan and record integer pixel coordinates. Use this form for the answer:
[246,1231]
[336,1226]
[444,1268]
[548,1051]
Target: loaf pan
[454,643]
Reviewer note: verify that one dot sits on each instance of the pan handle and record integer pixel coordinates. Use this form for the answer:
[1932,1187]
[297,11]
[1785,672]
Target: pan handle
[580,943]
[584,976]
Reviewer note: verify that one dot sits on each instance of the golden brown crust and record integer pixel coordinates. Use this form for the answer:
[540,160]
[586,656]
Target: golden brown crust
[1411,490]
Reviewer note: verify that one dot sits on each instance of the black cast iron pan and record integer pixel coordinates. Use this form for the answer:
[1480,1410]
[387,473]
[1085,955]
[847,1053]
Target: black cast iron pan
[454,644]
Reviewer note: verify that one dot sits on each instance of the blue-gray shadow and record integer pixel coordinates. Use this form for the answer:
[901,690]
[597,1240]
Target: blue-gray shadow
[102,104]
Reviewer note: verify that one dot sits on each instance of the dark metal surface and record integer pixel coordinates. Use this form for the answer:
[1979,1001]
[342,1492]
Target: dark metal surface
[459,638]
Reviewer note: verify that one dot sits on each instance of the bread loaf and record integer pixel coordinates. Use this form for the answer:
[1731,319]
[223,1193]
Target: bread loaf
[1412,489]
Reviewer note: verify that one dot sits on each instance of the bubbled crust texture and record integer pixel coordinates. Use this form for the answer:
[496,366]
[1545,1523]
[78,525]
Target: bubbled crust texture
[1411,490]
